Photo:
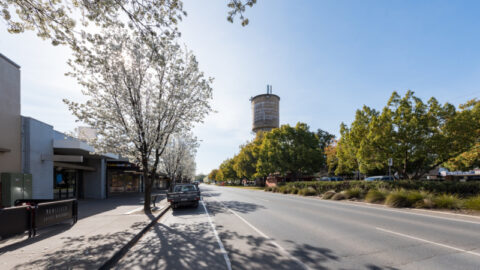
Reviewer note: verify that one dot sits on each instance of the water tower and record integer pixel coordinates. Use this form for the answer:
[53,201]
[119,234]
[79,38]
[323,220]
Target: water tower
[265,111]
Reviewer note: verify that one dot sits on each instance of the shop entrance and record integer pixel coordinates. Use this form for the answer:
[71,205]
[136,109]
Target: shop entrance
[65,183]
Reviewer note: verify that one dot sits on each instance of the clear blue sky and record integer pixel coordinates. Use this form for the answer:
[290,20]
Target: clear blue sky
[325,59]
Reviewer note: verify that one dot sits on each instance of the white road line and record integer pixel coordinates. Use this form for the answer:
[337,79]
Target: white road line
[225,254]
[133,211]
[304,266]
[430,242]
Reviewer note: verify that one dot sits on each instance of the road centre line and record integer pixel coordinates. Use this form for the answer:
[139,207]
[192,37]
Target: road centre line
[220,244]
[429,242]
[304,266]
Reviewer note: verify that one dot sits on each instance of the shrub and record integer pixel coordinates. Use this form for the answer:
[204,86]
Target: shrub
[355,192]
[397,199]
[375,196]
[339,196]
[473,203]
[293,190]
[309,191]
[328,195]
[268,189]
[446,201]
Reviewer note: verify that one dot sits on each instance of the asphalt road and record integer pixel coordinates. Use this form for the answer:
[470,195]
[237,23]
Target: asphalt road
[245,229]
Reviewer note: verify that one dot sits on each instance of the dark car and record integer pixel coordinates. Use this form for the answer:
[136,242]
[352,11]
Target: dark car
[184,194]
[332,178]
[380,178]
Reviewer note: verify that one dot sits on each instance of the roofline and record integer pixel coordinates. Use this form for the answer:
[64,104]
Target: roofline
[9,61]
[252,98]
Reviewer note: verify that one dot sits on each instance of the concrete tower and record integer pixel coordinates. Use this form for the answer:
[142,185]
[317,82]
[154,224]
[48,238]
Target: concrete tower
[265,111]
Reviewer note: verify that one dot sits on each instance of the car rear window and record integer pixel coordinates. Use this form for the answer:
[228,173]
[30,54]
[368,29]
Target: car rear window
[184,188]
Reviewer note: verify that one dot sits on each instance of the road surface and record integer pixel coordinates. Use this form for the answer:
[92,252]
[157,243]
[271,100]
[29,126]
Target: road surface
[245,229]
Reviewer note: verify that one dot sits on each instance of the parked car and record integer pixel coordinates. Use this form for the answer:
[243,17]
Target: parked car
[332,178]
[184,194]
[380,178]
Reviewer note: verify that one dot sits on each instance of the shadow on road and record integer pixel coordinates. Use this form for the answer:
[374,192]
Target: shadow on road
[215,207]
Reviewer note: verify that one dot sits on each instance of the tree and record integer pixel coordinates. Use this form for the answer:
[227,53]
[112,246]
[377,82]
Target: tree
[219,176]
[289,149]
[465,161]
[178,161]
[417,136]
[69,21]
[245,163]
[350,140]
[227,171]
[324,139]
[200,177]
[331,156]
[213,174]
[139,96]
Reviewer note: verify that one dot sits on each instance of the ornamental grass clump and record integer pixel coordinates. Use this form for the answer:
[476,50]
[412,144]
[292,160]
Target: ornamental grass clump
[355,192]
[473,203]
[339,196]
[446,201]
[415,198]
[328,195]
[397,198]
[376,196]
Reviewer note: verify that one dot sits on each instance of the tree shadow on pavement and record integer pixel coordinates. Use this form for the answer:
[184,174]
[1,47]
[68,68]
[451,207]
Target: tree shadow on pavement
[374,267]
[82,252]
[216,207]
[193,246]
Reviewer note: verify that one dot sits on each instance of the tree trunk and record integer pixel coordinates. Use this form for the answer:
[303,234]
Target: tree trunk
[147,193]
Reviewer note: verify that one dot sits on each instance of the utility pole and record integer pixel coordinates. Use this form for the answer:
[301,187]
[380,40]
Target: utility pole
[390,163]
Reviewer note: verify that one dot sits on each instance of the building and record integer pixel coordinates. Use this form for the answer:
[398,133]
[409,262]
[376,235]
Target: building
[10,120]
[61,166]
[265,111]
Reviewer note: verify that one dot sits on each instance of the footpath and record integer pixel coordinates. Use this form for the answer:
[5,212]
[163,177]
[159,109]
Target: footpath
[103,228]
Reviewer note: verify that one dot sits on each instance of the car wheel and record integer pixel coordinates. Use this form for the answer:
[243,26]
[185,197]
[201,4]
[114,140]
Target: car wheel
[195,205]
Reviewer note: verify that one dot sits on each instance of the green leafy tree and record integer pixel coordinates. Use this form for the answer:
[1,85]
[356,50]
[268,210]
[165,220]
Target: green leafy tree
[219,176]
[227,169]
[331,156]
[289,149]
[213,174]
[351,140]
[418,136]
[245,163]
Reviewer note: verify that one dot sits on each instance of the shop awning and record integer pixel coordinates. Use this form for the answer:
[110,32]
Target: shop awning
[73,166]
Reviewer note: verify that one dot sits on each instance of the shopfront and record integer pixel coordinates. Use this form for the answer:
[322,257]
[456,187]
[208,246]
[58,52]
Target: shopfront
[123,177]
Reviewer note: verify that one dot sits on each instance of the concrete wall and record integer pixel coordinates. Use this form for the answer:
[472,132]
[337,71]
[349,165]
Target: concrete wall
[37,156]
[94,183]
[10,120]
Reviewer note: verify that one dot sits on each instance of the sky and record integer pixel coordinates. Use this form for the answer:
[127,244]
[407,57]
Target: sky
[325,59]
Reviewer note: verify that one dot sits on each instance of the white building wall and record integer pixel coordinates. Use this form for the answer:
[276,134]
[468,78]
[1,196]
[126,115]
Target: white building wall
[37,156]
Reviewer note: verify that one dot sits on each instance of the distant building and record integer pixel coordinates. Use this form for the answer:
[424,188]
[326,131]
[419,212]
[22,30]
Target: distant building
[265,111]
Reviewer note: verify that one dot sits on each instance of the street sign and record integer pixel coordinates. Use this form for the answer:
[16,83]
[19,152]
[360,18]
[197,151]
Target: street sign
[390,161]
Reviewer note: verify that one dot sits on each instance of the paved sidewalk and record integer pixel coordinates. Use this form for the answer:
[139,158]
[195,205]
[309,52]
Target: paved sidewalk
[104,226]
